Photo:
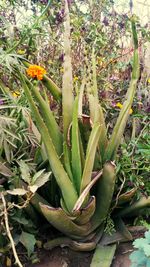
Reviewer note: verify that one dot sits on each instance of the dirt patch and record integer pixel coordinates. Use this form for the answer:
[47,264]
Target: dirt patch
[63,258]
[66,258]
[121,258]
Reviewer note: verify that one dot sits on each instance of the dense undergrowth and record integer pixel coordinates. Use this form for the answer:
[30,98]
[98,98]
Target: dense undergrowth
[80,151]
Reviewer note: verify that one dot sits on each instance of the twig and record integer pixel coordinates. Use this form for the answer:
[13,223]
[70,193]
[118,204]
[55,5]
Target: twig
[138,139]
[9,233]
[114,60]
[21,206]
[117,197]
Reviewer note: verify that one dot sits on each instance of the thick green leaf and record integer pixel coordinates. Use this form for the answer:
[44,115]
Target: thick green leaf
[48,118]
[80,105]
[86,191]
[90,156]
[86,212]
[68,191]
[103,256]
[28,241]
[124,113]
[52,87]
[126,197]
[67,160]
[67,91]
[76,157]
[35,200]
[59,219]
[96,111]
[103,135]
[105,190]
[135,208]
[121,227]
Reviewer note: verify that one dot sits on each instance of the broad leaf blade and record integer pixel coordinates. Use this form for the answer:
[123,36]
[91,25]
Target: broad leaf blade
[42,179]
[28,241]
[25,172]
[17,191]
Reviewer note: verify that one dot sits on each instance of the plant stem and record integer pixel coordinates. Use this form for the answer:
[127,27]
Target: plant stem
[9,233]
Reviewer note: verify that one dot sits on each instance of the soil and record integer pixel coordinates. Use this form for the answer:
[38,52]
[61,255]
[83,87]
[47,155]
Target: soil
[64,257]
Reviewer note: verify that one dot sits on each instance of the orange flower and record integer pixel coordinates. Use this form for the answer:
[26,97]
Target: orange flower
[35,71]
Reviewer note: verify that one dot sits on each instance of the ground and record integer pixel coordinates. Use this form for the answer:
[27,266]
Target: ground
[66,258]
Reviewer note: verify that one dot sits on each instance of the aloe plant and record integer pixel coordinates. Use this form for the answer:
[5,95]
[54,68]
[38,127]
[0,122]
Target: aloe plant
[81,216]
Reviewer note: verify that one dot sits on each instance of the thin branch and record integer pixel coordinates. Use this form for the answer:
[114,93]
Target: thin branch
[9,233]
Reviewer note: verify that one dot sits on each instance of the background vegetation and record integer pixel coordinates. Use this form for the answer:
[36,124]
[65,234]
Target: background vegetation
[38,38]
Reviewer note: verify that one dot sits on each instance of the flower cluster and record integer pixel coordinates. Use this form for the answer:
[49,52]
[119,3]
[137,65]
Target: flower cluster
[119,105]
[35,71]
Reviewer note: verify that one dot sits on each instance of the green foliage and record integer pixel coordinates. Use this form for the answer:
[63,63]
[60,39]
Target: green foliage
[140,257]
[103,256]
[70,134]
[28,241]
[133,165]
[80,213]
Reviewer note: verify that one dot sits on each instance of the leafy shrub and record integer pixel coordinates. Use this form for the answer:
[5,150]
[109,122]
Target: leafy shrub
[141,257]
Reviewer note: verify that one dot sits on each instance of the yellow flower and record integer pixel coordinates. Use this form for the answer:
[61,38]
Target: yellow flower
[130,111]
[119,105]
[148,80]
[16,93]
[100,61]
[21,52]
[35,71]
[75,78]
